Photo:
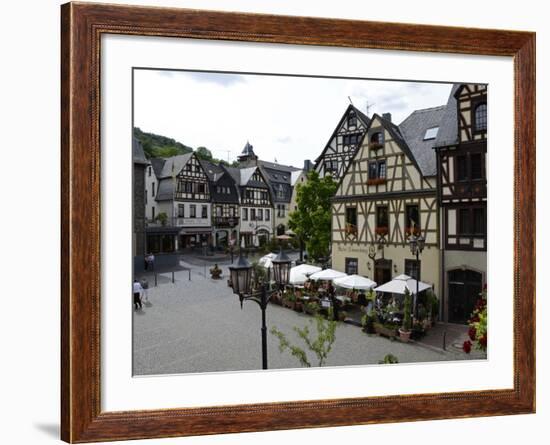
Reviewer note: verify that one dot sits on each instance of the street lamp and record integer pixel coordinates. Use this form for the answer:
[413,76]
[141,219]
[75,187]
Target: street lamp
[241,280]
[416,243]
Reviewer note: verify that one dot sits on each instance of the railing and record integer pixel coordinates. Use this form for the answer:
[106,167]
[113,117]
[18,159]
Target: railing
[375,145]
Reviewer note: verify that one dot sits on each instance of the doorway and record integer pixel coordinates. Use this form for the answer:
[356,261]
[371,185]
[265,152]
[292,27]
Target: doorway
[464,289]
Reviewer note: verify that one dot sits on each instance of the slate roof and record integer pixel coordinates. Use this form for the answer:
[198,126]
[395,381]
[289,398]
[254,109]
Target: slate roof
[138,154]
[413,130]
[448,130]
[165,190]
[173,165]
[213,171]
[275,166]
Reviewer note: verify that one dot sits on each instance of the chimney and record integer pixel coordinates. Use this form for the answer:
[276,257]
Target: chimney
[387,116]
[308,165]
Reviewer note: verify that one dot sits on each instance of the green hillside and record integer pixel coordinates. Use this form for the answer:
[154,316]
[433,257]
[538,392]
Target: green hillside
[156,146]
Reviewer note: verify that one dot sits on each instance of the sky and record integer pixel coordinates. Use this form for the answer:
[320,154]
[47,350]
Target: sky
[287,119]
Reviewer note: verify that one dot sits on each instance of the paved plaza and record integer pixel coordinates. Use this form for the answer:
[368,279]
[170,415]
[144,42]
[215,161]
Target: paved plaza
[197,325]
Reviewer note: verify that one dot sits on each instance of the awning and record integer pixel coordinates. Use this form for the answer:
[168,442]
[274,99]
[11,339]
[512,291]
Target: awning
[162,230]
[195,230]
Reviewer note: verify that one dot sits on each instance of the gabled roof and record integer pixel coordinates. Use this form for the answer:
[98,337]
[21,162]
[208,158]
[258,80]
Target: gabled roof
[448,129]
[365,120]
[413,130]
[138,154]
[171,166]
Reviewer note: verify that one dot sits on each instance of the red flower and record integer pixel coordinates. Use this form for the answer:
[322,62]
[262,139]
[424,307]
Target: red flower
[467,346]
[472,333]
[474,319]
[483,341]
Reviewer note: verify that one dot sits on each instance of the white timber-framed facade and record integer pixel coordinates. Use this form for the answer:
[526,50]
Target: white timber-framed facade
[387,193]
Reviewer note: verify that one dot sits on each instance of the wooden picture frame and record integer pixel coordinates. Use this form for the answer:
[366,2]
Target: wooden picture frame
[82,26]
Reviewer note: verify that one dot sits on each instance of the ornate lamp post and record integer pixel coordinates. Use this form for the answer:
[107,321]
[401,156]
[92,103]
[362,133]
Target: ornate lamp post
[241,279]
[416,244]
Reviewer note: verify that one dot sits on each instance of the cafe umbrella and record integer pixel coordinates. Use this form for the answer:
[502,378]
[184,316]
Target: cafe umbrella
[354,282]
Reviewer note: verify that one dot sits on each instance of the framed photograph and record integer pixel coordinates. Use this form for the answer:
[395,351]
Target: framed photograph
[274,222]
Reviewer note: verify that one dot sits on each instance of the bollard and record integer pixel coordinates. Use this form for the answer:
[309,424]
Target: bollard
[155,279]
[445,340]
[172,277]
[189,274]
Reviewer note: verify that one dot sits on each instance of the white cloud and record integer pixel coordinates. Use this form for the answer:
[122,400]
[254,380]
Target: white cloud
[283,117]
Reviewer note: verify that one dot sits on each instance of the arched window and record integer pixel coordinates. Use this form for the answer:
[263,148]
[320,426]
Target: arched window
[480,117]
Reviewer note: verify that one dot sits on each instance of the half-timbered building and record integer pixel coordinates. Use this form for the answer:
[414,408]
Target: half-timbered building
[279,180]
[461,148]
[140,166]
[179,209]
[388,192]
[256,218]
[225,205]
[343,143]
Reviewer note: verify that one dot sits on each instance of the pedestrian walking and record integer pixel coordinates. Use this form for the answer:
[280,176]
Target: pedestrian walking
[145,286]
[150,261]
[137,295]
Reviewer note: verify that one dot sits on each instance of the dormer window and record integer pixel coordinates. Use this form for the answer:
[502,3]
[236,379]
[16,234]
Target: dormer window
[352,119]
[480,117]
[376,140]
[431,133]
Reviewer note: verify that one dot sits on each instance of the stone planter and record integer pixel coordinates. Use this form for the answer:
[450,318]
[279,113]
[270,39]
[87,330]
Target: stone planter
[404,336]
[384,331]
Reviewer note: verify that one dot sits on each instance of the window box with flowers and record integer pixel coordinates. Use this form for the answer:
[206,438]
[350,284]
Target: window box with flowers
[376,181]
[412,231]
[381,231]
[351,229]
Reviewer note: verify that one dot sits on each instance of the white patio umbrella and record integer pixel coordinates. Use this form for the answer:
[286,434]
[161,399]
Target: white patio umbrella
[355,282]
[299,274]
[327,275]
[400,283]
[266,260]
[243,243]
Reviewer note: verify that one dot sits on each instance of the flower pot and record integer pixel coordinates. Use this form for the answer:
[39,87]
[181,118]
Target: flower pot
[404,336]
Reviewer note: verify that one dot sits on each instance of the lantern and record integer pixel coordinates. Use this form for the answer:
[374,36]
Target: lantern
[241,276]
[281,268]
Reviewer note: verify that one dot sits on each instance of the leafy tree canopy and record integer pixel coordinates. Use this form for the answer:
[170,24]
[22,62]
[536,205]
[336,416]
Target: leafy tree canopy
[311,221]
[203,153]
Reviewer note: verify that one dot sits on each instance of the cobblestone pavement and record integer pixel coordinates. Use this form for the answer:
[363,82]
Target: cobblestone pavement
[198,326]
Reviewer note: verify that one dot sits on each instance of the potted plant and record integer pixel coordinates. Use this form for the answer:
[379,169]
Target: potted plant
[405,330]
[215,272]
[381,231]
[367,321]
[162,218]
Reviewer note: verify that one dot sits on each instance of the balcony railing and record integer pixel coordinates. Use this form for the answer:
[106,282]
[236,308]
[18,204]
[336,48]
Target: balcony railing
[375,145]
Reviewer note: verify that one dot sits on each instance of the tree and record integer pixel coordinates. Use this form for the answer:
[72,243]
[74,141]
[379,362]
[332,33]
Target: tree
[203,153]
[320,346]
[311,222]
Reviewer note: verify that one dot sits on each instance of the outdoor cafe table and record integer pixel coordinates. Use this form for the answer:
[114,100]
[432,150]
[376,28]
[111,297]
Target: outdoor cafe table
[343,299]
